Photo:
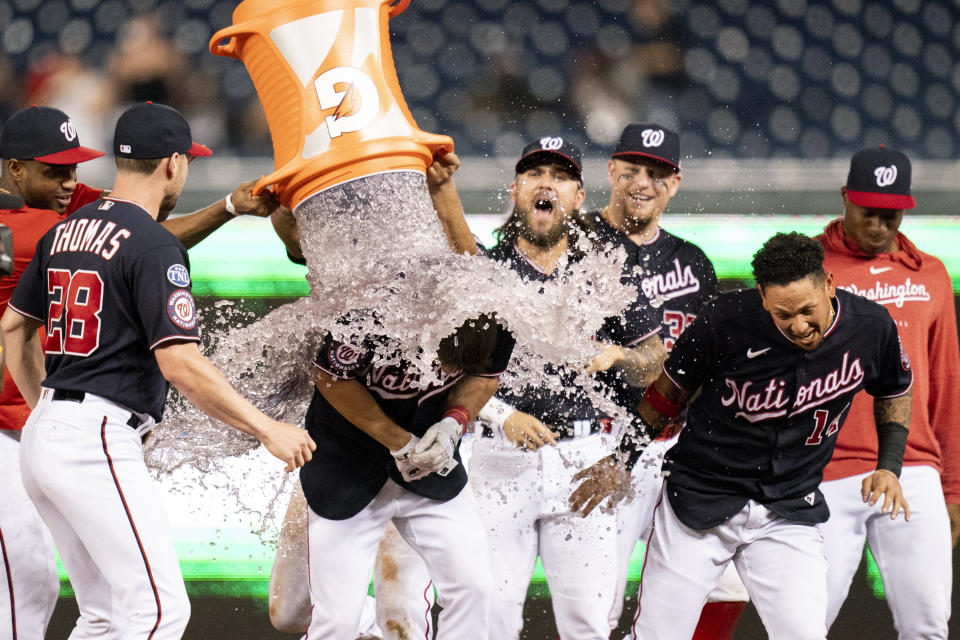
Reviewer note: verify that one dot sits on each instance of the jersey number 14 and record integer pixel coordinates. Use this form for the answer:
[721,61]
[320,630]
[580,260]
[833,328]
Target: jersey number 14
[73,317]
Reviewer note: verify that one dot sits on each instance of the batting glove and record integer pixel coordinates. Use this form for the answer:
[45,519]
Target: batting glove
[409,469]
[435,450]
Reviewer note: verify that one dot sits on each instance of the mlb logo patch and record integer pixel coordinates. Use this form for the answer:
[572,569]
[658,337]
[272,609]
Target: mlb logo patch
[178,275]
[181,309]
[125,148]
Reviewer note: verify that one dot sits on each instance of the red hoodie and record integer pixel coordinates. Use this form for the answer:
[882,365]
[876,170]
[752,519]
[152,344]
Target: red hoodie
[915,288]
[27,227]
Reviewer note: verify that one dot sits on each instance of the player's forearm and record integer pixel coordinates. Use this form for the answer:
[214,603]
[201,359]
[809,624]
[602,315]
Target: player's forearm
[641,363]
[354,402]
[24,354]
[446,201]
[201,383]
[472,393]
[662,403]
[285,226]
[194,227]
[892,417]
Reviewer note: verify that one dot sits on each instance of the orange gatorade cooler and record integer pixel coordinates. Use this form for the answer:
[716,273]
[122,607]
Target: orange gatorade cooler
[324,72]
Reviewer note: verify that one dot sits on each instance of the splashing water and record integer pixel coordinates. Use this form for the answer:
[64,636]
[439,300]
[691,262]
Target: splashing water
[376,252]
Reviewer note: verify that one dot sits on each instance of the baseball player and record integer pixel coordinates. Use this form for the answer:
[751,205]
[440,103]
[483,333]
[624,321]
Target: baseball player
[387,449]
[112,289]
[41,149]
[402,585]
[677,278]
[776,368]
[869,257]
[521,485]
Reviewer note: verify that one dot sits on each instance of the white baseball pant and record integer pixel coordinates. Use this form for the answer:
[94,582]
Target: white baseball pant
[403,590]
[524,502]
[635,519]
[82,466]
[914,558]
[29,584]
[781,564]
[450,538]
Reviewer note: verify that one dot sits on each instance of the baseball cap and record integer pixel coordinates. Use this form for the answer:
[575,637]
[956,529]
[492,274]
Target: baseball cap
[880,178]
[44,134]
[150,130]
[649,141]
[551,148]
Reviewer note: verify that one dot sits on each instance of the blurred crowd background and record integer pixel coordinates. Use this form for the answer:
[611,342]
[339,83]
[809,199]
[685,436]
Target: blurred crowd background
[737,78]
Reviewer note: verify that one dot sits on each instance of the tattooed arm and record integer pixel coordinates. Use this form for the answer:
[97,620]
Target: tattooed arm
[892,416]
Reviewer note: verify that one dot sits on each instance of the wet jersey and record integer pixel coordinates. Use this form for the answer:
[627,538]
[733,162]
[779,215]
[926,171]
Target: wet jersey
[349,467]
[27,226]
[563,410]
[765,423]
[110,284]
[677,276]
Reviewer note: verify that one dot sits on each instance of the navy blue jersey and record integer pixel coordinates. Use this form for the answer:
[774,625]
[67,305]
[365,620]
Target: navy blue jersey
[349,467]
[765,423]
[677,276]
[110,284]
[558,410]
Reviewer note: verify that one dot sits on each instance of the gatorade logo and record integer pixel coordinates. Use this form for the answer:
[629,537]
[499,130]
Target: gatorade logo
[69,131]
[356,103]
[652,137]
[886,176]
[551,144]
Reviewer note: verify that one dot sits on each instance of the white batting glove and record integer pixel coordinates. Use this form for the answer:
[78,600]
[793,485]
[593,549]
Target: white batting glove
[409,469]
[435,450]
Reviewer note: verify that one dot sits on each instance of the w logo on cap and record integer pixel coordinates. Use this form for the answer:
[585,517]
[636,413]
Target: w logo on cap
[652,137]
[69,131]
[886,176]
[551,144]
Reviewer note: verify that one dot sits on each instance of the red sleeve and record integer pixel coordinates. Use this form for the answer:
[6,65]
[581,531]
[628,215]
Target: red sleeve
[944,380]
[83,195]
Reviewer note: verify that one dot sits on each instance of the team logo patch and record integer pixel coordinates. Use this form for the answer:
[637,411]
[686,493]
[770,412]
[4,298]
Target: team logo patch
[904,358]
[181,309]
[178,275]
[345,358]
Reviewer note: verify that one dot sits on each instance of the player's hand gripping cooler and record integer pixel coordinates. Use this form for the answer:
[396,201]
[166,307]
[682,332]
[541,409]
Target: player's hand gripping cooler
[324,72]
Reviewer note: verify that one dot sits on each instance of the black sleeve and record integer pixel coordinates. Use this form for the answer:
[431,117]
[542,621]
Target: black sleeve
[161,290]
[894,375]
[344,360]
[30,295]
[697,351]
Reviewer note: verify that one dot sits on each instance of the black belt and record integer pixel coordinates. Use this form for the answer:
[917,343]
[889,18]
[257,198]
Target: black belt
[69,395]
[566,432]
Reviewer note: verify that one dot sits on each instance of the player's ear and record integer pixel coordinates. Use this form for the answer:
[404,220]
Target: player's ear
[611,172]
[674,185]
[512,191]
[830,284]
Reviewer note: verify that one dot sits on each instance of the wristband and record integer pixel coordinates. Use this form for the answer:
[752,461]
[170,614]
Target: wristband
[891,443]
[664,405]
[459,413]
[232,210]
[496,412]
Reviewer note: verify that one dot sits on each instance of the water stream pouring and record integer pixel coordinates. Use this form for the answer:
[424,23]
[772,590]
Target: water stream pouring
[351,163]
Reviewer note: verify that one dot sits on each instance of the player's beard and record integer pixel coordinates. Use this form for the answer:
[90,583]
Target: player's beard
[541,239]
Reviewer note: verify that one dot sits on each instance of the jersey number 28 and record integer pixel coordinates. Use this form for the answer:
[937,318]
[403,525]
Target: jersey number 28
[73,317]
